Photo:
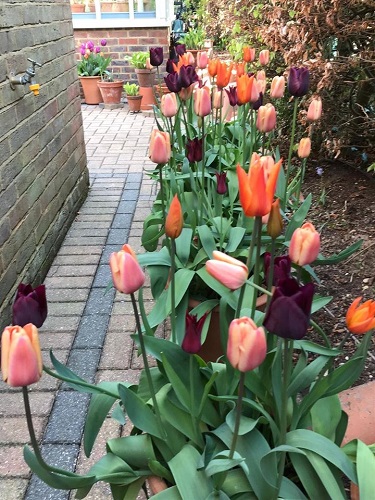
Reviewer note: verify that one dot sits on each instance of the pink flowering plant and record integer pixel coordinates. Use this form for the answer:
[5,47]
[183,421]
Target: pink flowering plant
[260,419]
[93,62]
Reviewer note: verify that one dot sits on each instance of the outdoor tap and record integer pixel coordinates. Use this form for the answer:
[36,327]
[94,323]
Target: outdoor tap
[27,77]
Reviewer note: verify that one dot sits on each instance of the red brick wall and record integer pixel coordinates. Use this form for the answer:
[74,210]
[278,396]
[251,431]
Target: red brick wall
[122,42]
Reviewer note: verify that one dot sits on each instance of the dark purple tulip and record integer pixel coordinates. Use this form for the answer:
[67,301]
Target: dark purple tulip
[193,331]
[187,76]
[298,81]
[258,103]
[180,49]
[221,182]
[194,149]
[30,305]
[281,268]
[232,95]
[103,42]
[172,81]
[156,56]
[169,68]
[289,311]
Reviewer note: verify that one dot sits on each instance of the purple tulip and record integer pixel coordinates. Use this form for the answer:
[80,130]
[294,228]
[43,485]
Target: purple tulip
[194,149]
[180,49]
[97,50]
[82,51]
[172,81]
[90,45]
[259,102]
[187,76]
[156,56]
[169,68]
[30,305]
[103,42]
[221,182]
[193,331]
[281,268]
[298,81]
[232,95]
[288,315]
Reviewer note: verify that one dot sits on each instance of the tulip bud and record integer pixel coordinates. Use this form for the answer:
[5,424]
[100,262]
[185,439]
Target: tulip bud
[275,221]
[247,345]
[277,87]
[21,359]
[202,60]
[298,81]
[232,95]
[361,318]
[175,220]
[156,56]
[221,182]
[194,149]
[315,110]
[30,305]
[160,147]
[127,274]
[168,104]
[231,272]
[304,147]
[266,118]
[244,86]
[193,331]
[202,102]
[248,54]
[304,245]
[264,57]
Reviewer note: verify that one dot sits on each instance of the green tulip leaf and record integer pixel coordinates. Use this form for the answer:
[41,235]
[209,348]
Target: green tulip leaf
[307,376]
[366,471]
[326,416]
[136,451]
[207,240]
[183,244]
[168,494]
[99,407]
[338,257]
[298,218]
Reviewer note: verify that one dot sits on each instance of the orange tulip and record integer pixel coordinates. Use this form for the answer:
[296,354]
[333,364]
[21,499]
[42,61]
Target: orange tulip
[127,274]
[21,359]
[175,219]
[266,118]
[247,345]
[361,318]
[240,69]
[202,101]
[315,110]
[212,67]
[223,74]
[304,245]
[257,188]
[277,87]
[160,147]
[244,86]
[248,54]
[304,147]
[231,272]
[168,104]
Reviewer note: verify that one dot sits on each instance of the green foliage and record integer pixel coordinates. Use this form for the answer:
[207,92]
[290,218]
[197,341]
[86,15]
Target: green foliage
[194,38]
[131,88]
[93,64]
[138,59]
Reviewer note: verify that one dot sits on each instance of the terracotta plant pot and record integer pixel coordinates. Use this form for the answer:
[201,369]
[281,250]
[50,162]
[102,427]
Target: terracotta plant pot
[146,77]
[77,8]
[148,98]
[90,89]
[160,90]
[111,91]
[106,6]
[134,103]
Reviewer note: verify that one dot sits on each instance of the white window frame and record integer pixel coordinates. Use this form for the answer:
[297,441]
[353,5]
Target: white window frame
[164,16]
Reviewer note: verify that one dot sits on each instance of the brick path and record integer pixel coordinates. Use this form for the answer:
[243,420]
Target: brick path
[87,328]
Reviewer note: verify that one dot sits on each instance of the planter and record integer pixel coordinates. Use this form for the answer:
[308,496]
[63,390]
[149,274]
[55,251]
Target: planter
[106,6]
[111,91]
[77,8]
[134,103]
[160,90]
[120,7]
[148,100]
[146,77]
[90,89]
[194,53]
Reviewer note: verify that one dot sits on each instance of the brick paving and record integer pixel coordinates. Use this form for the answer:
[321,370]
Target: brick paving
[87,327]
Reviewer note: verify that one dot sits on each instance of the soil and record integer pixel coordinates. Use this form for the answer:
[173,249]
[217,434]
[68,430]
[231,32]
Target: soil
[343,211]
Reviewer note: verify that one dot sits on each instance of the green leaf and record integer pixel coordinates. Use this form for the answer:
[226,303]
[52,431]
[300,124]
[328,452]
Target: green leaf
[183,278]
[331,484]
[236,235]
[161,258]
[319,302]
[326,416]
[307,376]
[365,471]
[183,243]
[308,477]
[207,240]
[298,217]
[158,279]
[306,345]
[168,494]
[180,388]
[99,407]
[137,451]
[222,463]
[159,470]
[247,424]
[338,257]
[139,412]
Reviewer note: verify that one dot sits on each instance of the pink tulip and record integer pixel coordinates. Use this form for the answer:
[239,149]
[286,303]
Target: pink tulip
[168,104]
[304,147]
[305,245]
[266,118]
[21,359]
[202,101]
[277,87]
[127,274]
[231,272]
[202,60]
[160,147]
[247,345]
[315,110]
[264,57]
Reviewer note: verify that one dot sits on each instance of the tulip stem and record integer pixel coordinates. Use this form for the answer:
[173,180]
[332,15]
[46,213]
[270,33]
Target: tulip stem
[300,180]
[257,261]
[291,145]
[238,414]
[173,290]
[203,165]
[194,419]
[146,366]
[30,426]
[244,137]
[260,288]
[160,167]
[252,134]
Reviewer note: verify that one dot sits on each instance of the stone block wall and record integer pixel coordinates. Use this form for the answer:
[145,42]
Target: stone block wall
[122,42]
[43,172]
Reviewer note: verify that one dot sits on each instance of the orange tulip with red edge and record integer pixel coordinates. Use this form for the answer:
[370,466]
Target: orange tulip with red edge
[247,345]
[360,318]
[304,245]
[257,188]
[244,85]
[160,147]
[174,221]
[21,359]
[231,272]
[127,274]
[223,74]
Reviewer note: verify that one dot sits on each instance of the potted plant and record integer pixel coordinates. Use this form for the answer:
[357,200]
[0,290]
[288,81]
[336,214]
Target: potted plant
[91,68]
[194,41]
[77,6]
[133,96]
[110,89]
[140,61]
